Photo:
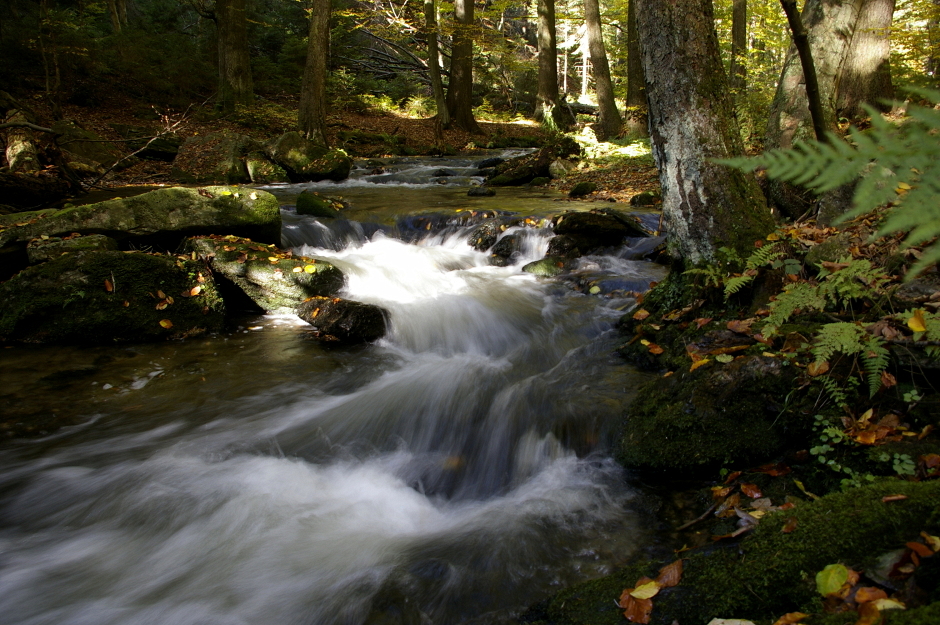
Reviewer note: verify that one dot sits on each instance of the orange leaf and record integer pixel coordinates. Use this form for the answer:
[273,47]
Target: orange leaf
[789,526]
[162,305]
[751,490]
[888,380]
[868,614]
[641,314]
[791,618]
[636,610]
[655,349]
[773,470]
[166,323]
[817,368]
[108,286]
[161,295]
[720,492]
[869,593]
[920,549]
[701,322]
[739,326]
[699,363]
[866,438]
[732,476]
[670,574]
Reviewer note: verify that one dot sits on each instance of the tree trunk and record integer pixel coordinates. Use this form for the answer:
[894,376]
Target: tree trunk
[865,76]
[608,123]
[115,15]
[312,110]
[546,101]
[737,73]
[434,64]
[810,81]
[705,205]
[460,90]
[636,122]
[235,83]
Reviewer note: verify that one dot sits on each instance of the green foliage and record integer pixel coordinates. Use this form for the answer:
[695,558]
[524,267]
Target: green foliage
[894,164]
[797,296]
[851,339]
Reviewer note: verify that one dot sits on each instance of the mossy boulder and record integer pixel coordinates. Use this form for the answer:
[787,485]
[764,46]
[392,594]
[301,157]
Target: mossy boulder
[262,171]
[523,169]
[316,205]
[86,147]
[42,250]
[646,198]
[547,267]
[275,280]
[344,321]
[164,215]
[582,189]
[719,413]
[99,297]
[304,160]
[218,157]
[770,573]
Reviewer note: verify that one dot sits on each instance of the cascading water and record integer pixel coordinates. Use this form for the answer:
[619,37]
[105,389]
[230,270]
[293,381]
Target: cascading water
[452,472]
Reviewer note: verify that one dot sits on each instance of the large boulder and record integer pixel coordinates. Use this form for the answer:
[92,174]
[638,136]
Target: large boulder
[344,321]
[48,248]
[99,296]
[523,169]
[580,233]
[304,160]
[171,214]
[218,157]
[315,205]
[153,144]
[276,281]
[262,171]
[86,149]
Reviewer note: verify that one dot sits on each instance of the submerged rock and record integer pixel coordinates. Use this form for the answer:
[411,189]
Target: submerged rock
[481,191]
[344,321]
[276,281]
[108,296]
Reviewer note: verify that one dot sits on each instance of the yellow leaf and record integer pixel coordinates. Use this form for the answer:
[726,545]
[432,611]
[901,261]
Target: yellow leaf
[309,268]
[699,363]
[773,236]
[193,292]
[298,269]
[904,185]
[162,305]
[863,420]
[646,591]
[644,342]
[273,259]
[817,368]
[641,314]
[917,323]
[166,323]
[888,604]
[161,295]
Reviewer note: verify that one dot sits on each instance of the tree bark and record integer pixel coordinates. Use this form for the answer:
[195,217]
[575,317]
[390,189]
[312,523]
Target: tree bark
[810,82]
[609,123]
[705,205]
[636,121]
[546,100]
[235,81]
[460,90]
[737,73]
[312,110]
[434,64]
[865,76]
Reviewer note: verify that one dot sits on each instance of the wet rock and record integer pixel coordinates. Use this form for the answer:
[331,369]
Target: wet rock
[275,280]
[548,267]
[316,205]
[164,216]
[481,191]
[646,198]
[443,173]
[588,231]
[344,321]
[485,235]
[714,415]
[304,160]
[490,162]
[218,157]
[506,251]
[831,250]
[582,189]
[99,297]
[42,250]
[522,169]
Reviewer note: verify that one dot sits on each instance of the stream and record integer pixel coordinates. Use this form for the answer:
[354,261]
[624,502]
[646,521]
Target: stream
[455,471]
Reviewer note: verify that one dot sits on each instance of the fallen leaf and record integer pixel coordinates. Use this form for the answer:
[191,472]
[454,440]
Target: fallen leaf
[732,476]
[890,498]
[646,591]
[920,549]
[791,618]
[932,541]
[789,526]
[699,363]
[196,290]
[741,326]
[670,575]
[817,368]
[869,593]
[701,322]
[888,380]
[297,269]
[917,322]
[108,286]
[888,604]
[162,305]
[773,470]
[166,323]
[829,580]
[868,614]
[309,268]
[751,490]
[636,610]
[641,314]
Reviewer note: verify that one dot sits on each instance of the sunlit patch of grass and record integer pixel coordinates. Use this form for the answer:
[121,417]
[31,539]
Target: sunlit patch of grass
[615,150]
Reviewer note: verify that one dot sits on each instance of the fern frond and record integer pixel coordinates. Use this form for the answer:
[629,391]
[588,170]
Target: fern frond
[838,337]
[875,360]
[835,393]
[797,296]
[735,284]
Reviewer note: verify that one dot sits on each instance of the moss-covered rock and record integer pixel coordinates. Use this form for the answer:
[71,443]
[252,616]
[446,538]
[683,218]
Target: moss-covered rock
[717,414]
[87,147]
[275,280]
[582,189]
[42,250]
[315,205]
[106,296]
[523,169]
[344,321]
[168,214]
[304,160]
[218,157]
[770,573]
[262,171]
[547,267]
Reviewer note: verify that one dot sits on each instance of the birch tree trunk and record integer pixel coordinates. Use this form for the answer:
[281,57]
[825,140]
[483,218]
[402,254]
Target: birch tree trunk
[609,123]
[705,205]
[312,110]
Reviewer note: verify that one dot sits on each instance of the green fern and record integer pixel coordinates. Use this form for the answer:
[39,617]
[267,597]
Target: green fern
[712,273]
[857,281]
[735,284]
[797,296]
[835,392]
[852,340]
[894,163]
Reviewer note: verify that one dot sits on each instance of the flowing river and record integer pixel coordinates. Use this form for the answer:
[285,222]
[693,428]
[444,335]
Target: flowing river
[454,472]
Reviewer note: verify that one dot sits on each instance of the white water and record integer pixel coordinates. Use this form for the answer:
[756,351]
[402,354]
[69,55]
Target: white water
[453,472]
